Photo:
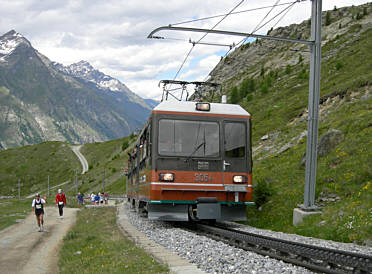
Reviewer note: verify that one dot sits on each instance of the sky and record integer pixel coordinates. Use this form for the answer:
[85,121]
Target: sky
[112,34]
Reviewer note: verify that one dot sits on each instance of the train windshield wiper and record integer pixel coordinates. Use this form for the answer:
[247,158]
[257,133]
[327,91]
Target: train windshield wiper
[198,147]
[195,150]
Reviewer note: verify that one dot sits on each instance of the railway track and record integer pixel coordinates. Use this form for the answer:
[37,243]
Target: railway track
[315,258]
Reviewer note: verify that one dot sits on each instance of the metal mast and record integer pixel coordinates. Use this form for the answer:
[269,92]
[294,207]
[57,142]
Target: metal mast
[314,91]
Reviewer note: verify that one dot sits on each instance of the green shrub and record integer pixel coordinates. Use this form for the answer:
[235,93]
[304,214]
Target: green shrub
[262,193]
[339,65]
[264,88]
[300,59]
[365,12]
[328,19]
[262,73]
[288,69]
[234,96]
[302,74]
[124,146]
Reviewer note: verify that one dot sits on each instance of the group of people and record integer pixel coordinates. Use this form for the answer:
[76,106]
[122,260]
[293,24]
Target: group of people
[38,204]
[99,198]
[38,207]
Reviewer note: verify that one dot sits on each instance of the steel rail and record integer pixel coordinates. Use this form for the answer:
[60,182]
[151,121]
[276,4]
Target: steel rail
[315,258]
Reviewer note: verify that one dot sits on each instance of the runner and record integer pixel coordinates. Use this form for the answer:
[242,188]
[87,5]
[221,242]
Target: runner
[60,202]
[38,208]
[80,199]
[106,198]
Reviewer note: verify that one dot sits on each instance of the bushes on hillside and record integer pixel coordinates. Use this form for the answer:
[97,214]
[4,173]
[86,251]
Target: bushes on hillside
[262,193]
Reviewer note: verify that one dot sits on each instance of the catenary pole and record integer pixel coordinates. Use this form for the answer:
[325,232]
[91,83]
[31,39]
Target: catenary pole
[19,189]
[314,91]
[103,181]
[76,181]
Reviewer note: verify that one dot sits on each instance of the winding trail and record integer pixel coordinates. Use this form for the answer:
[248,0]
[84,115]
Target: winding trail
[25,250]
[83,161]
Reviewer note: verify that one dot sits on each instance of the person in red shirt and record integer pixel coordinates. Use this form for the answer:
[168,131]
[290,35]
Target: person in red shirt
[60,202]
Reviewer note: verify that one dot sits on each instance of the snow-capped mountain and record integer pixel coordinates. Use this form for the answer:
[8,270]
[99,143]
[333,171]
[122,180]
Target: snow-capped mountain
[83,70]
[43,101]
[9,42]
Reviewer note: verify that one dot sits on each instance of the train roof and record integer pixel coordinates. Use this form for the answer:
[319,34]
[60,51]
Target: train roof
[189,107]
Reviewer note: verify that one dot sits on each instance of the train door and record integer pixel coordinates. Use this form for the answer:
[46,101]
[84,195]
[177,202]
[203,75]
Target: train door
[234,160]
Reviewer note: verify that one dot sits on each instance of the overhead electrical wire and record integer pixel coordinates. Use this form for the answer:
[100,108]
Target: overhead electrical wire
[263,19]
[280,19]
[286,9]
[258,27]
[192,47]
[232,13]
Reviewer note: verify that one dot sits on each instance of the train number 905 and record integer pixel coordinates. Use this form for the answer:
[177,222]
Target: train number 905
[200,177]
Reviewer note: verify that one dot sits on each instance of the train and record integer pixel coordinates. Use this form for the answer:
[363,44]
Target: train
[192,161]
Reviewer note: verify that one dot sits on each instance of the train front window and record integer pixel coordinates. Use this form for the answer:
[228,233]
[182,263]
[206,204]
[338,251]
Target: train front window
[188,138]
[235,140]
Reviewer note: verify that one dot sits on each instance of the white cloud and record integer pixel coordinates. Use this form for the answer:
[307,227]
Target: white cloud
[112,34]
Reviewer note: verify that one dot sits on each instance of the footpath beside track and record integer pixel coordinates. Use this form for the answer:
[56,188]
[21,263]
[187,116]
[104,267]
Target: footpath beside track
[175,263]
[25,250]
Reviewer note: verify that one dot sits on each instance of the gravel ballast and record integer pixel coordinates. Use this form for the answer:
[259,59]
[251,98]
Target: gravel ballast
[216,257]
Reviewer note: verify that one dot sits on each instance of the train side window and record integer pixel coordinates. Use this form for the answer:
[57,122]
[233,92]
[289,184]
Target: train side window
[235,140]
[144,148]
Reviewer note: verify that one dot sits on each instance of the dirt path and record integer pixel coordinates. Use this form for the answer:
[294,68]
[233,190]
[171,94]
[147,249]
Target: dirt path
[25,250]
[83,161]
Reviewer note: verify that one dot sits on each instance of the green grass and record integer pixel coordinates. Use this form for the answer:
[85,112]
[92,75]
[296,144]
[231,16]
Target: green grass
[110,157]
[12,210]
[32,164]
[103,248]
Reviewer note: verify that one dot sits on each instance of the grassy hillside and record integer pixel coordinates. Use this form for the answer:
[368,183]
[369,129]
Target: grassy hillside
[32,165]
[111,157]
[276,94]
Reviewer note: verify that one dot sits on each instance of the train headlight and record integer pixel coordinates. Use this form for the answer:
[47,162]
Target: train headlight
[240,179]
[203,106]
[166,177]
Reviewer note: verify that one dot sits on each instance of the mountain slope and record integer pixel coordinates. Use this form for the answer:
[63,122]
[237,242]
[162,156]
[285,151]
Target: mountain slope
[38,102]
[270,80]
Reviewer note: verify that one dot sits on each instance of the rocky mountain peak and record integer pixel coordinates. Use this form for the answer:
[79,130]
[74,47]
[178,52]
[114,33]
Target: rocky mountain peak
[9,42]
[85,71]
[82,68]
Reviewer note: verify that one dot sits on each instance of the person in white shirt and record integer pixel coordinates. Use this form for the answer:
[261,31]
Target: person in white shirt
[38,209]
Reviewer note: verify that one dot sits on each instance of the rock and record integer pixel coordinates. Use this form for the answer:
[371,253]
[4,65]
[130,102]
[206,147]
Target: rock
[366,97]
[265,137]
[367,242]
[274,135]
[322,223]
[330,140]
[267,148]
[327,142]
[284,148]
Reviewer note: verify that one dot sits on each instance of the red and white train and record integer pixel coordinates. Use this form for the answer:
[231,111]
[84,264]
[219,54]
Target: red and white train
[193,161]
